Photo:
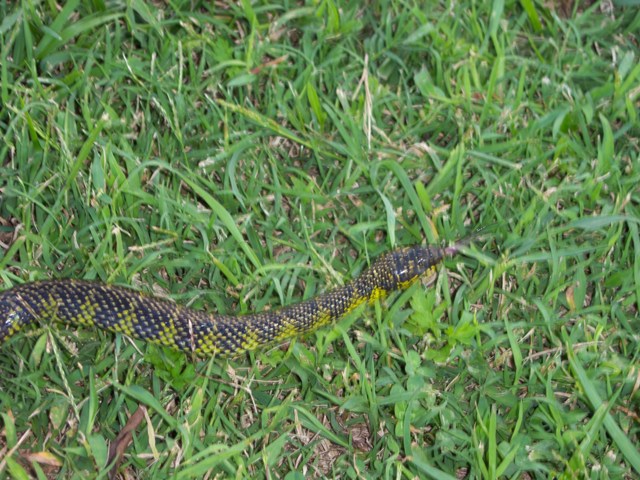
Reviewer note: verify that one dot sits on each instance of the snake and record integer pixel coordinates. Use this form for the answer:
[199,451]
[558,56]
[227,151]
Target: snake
[201,333]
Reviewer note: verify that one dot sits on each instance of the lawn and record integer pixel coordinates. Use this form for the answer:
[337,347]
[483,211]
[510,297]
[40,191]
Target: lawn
[240,157]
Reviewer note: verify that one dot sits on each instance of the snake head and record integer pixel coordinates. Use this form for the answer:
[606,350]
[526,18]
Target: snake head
[399,268]
[410,263]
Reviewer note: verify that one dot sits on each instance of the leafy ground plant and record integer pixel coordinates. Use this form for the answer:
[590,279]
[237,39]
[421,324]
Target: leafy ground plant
[240,157]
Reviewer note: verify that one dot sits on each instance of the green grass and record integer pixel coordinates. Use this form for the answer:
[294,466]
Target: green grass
[246,157]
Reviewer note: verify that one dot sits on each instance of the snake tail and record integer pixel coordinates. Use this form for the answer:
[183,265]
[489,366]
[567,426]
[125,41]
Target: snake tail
[159,321]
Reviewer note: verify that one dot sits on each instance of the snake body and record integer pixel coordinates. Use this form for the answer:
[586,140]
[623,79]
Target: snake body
[159,321]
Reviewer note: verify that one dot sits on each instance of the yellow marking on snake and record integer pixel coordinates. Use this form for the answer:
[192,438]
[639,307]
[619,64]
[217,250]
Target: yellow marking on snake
[86,314]
[119,309]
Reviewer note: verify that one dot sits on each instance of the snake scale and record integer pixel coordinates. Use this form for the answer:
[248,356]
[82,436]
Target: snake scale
[159,321]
